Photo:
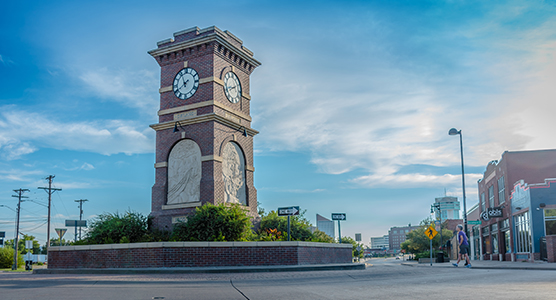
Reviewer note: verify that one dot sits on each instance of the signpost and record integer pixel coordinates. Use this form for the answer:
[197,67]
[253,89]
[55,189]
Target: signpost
[288,211]
[431,233]
[339,217]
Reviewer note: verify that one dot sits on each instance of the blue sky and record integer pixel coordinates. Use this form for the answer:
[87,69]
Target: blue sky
[353,101]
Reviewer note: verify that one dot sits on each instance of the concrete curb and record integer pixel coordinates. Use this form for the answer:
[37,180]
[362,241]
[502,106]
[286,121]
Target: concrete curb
[297,268]
[484,267]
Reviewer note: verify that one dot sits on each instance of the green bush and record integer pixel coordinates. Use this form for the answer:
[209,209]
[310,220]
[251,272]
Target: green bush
[300,228]
[215,223]
[107,228]
[7,258]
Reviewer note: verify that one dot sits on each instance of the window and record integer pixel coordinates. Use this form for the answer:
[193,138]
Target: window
[495,243]
[550,221]
[494,227]
[491,196]
[483,208]
[522,233]
[505,224]
[501,195]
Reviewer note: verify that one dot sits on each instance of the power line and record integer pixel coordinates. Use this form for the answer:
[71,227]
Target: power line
[16,239]
[80,215]
[49,191]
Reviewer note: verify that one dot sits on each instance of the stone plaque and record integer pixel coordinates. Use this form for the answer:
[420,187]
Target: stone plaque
[233,172]
[185,115]
[184,173]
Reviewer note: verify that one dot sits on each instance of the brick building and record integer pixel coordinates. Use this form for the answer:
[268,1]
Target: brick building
[398,235]
[515,194]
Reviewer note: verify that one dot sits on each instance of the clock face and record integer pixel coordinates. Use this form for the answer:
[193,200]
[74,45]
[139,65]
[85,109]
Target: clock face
[186,83]
[232,87]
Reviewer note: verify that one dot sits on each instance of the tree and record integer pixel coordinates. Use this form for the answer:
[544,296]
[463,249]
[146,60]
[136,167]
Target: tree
[300,228]
[220,222]
[21,244]
[417,241]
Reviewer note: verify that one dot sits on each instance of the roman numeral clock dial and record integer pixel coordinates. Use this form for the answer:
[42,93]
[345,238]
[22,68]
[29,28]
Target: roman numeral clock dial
[186,83]
[232,87]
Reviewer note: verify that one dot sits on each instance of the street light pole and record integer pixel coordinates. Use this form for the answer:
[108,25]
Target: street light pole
[454,131]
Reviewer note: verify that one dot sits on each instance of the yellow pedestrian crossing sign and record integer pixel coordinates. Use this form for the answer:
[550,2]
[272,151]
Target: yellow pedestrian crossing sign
[431,232]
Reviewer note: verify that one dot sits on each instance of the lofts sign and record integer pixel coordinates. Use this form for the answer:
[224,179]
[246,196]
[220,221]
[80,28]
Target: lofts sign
[494,212]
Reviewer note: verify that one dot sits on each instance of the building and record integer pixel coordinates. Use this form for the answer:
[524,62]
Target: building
[325,225]
[204,139]
[449,208]
[398,235]
[380,242]
[517,197]
[474,227]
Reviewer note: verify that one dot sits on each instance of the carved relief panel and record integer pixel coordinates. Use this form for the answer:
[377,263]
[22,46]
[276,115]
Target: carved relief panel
[184,173]
[233,172]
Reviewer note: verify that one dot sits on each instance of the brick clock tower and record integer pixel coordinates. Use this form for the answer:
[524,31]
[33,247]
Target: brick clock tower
[204,139]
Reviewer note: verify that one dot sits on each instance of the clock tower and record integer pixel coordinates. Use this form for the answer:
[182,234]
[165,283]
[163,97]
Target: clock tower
[204,139]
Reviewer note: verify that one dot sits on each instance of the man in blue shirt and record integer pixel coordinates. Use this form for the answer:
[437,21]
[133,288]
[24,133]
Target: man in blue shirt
[463,246]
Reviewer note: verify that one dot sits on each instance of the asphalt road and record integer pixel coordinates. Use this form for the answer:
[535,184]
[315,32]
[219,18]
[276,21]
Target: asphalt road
[384,279]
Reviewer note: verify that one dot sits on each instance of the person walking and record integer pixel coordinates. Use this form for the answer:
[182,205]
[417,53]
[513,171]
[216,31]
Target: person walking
[463,247]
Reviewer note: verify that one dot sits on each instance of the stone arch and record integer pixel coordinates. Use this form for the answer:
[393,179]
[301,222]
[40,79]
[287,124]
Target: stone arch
[184,173]
[233,174]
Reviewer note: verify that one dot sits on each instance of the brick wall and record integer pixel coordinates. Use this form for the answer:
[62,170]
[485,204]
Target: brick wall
[551,248]
[197,254]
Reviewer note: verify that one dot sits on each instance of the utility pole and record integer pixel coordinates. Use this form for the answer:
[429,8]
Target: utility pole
[16,239]
[80,216]
[49,190]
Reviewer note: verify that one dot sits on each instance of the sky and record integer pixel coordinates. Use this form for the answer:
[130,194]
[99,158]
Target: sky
[353,101]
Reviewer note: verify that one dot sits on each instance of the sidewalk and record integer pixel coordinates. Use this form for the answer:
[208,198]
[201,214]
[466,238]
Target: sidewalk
[489,264]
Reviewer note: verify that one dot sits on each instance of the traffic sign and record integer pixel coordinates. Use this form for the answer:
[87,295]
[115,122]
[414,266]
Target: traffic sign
[339,216]
[288,211]
[61,231]
[478,222]
[431,232]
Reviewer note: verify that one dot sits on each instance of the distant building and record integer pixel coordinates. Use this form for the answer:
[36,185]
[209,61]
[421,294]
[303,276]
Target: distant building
[325,225]
[449,208]
[398,235]
[380,242]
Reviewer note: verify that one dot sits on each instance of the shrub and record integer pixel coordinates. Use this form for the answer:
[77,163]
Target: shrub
[107,228]
[300,228]
[7,258]
[215,223]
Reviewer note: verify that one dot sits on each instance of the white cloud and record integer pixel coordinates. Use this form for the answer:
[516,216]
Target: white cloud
[383,115]
[23,133]
[131,88]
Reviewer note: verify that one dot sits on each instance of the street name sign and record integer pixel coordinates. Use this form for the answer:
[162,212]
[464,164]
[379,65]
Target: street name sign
[76,223]
[288,211]
[478,222]
[339,216]
[431,232]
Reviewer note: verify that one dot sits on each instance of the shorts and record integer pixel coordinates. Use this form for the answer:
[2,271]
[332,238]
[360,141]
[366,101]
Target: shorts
[463,249]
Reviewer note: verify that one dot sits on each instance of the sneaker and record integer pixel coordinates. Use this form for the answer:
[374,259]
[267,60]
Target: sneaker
[455,265]
[468,266]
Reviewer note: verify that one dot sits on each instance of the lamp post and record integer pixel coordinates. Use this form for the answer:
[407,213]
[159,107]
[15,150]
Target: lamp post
[454,131]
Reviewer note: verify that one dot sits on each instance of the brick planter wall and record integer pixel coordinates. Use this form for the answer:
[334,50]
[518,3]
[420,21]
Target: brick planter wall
[197,254]
[551,248]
